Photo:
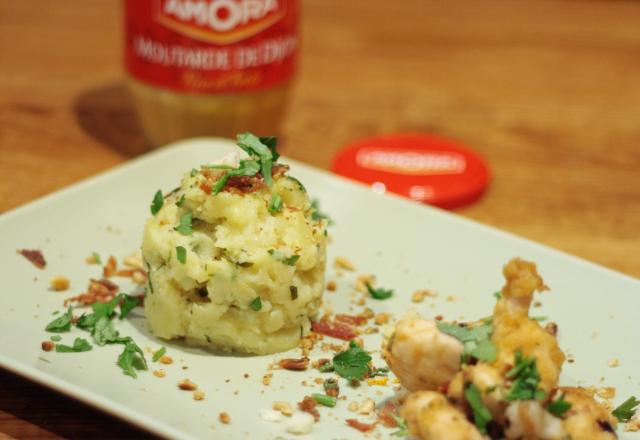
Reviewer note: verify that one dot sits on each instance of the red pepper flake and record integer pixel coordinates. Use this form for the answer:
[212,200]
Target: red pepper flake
[206,188]
[439,318]
[385,415]
[98,291]
[308,405]
[34,256]
[362,427]
[336,330]
[110,268]
[351,319]
[294,364]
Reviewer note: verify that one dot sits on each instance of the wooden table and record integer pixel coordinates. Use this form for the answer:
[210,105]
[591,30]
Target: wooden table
[548,92]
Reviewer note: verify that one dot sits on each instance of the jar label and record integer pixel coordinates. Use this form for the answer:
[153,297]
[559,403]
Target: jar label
[211,46]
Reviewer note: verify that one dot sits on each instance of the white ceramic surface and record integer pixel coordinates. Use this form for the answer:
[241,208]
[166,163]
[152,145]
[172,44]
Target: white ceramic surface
[408,246]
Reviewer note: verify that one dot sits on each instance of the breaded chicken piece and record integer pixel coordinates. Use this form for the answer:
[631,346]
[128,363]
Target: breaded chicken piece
[421,356]
[430,416]
[488,381]
[513,330]
[587,419]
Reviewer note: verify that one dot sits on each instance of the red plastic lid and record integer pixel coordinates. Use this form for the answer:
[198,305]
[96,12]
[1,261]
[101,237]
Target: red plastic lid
[425,168]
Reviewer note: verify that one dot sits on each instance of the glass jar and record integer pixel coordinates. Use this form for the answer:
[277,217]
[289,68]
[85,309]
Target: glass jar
[210,67]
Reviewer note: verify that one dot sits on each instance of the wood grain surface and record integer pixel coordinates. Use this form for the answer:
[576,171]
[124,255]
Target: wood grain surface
[547,91]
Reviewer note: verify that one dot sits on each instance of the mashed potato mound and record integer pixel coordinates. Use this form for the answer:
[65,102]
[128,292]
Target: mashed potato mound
[243,277]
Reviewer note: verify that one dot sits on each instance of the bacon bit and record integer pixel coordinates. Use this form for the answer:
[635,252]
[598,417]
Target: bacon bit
[351,319]
[224,418]
[362,427]
[244,184]
[331,286]
[336,330]
[320,362]
[98,291]
[187,385]
[331,387]
[205,187]
[159,373]
[308,405]
[284,408]
[439,318]
[343,263]
[34,256]
[110,268]
[198,395]
[294,364]
[385,415]
[48,345]
[59,283]
[166,360]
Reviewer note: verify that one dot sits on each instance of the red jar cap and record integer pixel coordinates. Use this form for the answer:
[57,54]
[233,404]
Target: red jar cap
[425,168]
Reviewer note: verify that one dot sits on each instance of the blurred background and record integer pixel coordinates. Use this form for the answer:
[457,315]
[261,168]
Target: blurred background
[546,91]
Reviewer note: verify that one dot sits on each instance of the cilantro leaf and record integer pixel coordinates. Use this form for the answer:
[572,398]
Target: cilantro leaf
[352,364]
[256,304]
[128,304]
[56,338]
[181,254]
[257,150]
[157,202]
[626,410]
[96,258]
[559,407]
[79,345]
[498,295]
[180,202]
[60,324]
[481,414]
[525,379]
[185,224]
[246,168]
[379,293]
[280,256]
[476,340]
[275,205]
[104,331]
[272,143]
[403,429]
[131,358]
[158,354]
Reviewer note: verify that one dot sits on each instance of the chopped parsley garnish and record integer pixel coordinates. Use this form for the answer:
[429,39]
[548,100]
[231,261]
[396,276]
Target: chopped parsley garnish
[158,354]
[379,293]
[278,255]
[246,168]
[60,324]
[559,407]
[181,254]
[79,345]
[324,400]
[379,372]
[352,364]
[476,340]
[539,318]
[316,214]
[193,172]
[185,224]
[257,150]
[96,258]
[128,304]
[256,304]
[275,205]
[180,202]
[157,202]
[104,331]
[403,429]
[498,295]
[481,414]
[626,410]
[294,292]
[131,358]
[525,379]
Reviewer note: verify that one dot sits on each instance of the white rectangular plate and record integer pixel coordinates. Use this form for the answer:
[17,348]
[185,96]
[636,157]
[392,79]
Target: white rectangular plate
[406,245]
